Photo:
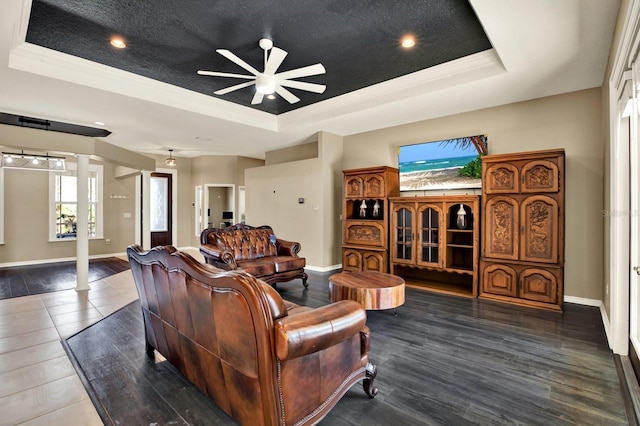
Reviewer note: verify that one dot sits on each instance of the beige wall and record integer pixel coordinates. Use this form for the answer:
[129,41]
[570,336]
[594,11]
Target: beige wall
[272,199]
[27,212]
[571,121]
[330,148]
[294,153]
[273,192]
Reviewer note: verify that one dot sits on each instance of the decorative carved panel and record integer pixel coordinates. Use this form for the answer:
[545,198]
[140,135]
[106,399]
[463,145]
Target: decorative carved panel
[374,186]
[501,219]
[354,187]
[365,233]
[501,178]
[373,261]
[540,176]
[539,229]
[499,279]
[539,285]
[351,260]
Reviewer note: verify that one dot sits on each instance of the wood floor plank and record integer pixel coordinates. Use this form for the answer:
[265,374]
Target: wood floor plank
[18,281]
[443,360]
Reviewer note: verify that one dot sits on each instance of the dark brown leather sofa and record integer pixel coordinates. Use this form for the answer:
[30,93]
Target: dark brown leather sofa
[263,360]
[255,250]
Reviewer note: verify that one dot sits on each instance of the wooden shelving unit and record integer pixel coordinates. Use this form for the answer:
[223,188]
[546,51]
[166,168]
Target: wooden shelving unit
[523,231]
[429,249]
[366,217]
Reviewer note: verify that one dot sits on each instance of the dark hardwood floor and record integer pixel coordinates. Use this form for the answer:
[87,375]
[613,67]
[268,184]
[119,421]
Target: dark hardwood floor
[18,281]
[443,360]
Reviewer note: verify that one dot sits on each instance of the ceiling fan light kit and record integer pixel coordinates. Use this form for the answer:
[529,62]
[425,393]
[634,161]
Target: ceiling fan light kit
[265,84]
[268,81]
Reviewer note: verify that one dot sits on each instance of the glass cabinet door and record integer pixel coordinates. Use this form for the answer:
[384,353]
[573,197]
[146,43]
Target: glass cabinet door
[403,246]
[429,235]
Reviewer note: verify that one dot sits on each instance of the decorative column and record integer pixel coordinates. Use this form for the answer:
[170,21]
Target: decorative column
[146,209]
[82,221]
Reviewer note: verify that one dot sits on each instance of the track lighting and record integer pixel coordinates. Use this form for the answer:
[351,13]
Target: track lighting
[12,160]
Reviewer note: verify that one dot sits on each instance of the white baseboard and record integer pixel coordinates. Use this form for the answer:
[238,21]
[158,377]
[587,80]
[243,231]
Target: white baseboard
[323,268]
[607,324]
[583,301]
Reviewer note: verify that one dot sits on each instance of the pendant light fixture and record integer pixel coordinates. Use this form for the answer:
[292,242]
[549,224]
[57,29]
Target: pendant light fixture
[170,161]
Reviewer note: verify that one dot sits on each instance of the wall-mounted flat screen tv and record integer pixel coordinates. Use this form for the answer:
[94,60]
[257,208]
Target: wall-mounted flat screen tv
[444,164]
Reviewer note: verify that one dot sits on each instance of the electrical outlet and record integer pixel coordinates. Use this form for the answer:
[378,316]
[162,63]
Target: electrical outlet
[107,241]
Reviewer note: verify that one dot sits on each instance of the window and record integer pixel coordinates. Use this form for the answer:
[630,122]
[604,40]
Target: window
[63,206]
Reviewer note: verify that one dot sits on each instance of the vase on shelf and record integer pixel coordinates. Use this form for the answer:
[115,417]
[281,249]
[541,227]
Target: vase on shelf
[363,209]
[461,220]
[376,209]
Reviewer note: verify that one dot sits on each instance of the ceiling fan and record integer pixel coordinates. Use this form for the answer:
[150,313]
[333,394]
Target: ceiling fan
[268,81]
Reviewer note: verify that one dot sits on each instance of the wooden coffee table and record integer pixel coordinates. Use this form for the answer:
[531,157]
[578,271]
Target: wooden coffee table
[373,290]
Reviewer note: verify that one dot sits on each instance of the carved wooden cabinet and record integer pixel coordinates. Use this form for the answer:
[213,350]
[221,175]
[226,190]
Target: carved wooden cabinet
[365,237]
[523,228]
[434,242]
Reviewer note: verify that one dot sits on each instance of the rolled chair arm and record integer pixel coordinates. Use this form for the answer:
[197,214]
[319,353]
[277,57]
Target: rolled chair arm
[287,248]
[220,257]
[316,329]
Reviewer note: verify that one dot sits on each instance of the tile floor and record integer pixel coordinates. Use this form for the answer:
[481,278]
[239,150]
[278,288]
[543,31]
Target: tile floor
[38,384]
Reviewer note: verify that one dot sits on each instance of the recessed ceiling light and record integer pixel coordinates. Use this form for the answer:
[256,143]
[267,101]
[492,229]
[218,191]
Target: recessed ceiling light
[118,43]
[408,42]
[271,96]
[99,123]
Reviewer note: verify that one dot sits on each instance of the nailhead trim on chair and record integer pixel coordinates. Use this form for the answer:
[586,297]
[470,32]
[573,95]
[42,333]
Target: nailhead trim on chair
[335,392]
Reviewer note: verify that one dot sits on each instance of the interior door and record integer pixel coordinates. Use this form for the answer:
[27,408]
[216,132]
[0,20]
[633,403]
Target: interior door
[160,193]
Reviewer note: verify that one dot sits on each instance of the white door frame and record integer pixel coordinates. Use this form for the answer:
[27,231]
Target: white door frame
[198,211]
[634,221]
[620,179]
[205,204]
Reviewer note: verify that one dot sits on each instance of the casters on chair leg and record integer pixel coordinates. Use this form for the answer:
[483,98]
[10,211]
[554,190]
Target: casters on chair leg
[367,383]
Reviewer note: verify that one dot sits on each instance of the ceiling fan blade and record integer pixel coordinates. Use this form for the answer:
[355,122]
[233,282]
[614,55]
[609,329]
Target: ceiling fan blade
[224,74]
[309,87]
[233,58]
[232,88]
[257,98]
[302,72]
[275,59]
[286,94]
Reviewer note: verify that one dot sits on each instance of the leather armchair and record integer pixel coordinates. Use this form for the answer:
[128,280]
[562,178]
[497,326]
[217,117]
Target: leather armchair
[263,360]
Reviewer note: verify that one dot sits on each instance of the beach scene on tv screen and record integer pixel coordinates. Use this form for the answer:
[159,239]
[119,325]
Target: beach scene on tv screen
[443,164]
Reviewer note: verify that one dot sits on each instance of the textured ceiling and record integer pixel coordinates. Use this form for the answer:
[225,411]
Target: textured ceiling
[168,41]
[537,49]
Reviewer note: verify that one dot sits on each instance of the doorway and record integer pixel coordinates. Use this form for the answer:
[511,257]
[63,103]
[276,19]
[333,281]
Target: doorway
[160,214]
[144,210]
[219,205]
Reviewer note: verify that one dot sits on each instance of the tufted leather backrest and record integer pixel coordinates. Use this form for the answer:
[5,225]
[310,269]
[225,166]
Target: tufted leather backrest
[246,242]
[214,326]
